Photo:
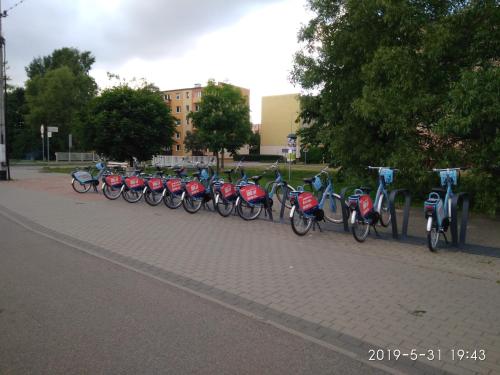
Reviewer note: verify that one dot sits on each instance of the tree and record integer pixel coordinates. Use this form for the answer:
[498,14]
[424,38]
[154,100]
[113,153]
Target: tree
[58,91]
[386,79]
[21,139]
[222,121]
[124,122]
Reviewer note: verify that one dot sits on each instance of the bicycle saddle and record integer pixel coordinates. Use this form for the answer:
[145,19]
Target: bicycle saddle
[308,180]
[366,189]
[196,174]
[255,178]
[228,171]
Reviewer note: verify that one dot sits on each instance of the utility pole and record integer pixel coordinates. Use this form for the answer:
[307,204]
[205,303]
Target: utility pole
[4,161]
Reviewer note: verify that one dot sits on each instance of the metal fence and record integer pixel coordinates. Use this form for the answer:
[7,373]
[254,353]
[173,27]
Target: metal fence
[76,156]
[170,160]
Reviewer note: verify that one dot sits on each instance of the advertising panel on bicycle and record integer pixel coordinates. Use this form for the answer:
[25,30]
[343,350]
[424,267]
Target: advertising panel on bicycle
[365,204]
[82,176]
[195,188]
[155,184]
[228,190]
[114,180]
[307,202]
[174,185]
[134,182]
[252,193]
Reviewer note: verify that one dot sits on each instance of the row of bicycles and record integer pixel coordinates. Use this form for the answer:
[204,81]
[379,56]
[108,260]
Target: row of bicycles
[236,193]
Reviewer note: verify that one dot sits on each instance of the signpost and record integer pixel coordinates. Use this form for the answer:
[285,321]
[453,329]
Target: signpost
[42,132]
[50,130]
[70,144]
[292,149]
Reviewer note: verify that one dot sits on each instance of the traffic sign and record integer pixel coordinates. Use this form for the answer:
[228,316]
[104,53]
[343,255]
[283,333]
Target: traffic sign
[53,129]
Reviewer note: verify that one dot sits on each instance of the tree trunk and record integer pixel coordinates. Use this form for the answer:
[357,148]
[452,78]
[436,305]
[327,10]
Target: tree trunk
[222,159]
[216,154]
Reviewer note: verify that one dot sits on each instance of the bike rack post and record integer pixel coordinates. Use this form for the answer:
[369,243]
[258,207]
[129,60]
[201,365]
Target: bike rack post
[464,198]
[345,210]
[406,212]
[286,193]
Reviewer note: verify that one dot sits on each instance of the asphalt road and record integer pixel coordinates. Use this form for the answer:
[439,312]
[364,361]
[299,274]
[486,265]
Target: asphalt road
[63,311]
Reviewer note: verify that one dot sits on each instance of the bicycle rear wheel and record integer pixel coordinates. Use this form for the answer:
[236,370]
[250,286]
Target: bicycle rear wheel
[433,235]
[224,206]
[172,201]
[247,211]
[333,208]
[191,205]
[359,228]
[80,187]
[132,196]
[111,192]
[153,198]
[300,223]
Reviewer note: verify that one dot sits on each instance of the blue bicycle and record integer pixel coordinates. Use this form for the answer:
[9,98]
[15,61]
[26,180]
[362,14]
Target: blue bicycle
[84,179]
[437,208]
[278,186]
[365,213]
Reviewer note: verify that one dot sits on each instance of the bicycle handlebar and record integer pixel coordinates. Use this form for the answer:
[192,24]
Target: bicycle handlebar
[447,169]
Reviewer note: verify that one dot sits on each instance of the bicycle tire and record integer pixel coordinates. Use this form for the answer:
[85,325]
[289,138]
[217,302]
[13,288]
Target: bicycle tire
[224,206]
[385,212]
[336,215]
[300,223]
[433,237]
[172,201]
[360,229]
[191,205]
[153,198]
[111,193]
[132,196]
[248,212]
[79,187]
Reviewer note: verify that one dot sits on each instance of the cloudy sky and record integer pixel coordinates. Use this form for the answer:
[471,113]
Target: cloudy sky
[171,43]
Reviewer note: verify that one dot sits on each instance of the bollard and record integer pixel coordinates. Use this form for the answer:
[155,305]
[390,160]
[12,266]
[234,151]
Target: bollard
[345,210]
[464,198]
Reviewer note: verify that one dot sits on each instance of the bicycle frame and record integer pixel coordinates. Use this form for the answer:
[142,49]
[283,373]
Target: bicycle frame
[448,179]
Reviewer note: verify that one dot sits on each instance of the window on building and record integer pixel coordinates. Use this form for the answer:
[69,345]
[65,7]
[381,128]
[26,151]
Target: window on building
[177,136]
[178,96]
[177,147]
[187,94]
[196,107]
[187,107]
[198,94]
[168,97]
[178,109]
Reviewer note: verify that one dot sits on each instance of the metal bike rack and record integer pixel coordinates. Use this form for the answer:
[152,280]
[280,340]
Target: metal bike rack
[283,204]
[345,209]
[406,212]
[464,198]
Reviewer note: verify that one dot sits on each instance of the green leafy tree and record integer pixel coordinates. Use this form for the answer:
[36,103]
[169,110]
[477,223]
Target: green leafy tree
[222,121]
[21,139]
[387,80]
[58,91]
[124,122]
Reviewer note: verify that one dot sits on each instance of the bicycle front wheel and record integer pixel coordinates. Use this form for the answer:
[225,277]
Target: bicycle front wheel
[132,196]
[300,223]
[359,228]
[111,192]
[80,187]
[191,205]
[432,235]
[333,208]
[247,211]
[153,198]
[385,212]
[224,206]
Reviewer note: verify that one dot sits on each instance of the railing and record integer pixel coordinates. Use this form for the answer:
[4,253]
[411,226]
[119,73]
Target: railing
[169,160]
[76,156]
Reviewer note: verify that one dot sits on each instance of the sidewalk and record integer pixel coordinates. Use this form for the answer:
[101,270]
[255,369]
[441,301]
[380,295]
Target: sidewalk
[379,294]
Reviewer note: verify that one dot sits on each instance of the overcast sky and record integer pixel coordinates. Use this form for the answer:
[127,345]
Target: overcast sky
[171,43]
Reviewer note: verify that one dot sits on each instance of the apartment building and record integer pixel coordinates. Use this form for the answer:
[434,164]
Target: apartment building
[181,103]
[279,116]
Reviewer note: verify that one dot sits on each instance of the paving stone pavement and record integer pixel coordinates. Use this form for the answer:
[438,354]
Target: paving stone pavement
[379,294]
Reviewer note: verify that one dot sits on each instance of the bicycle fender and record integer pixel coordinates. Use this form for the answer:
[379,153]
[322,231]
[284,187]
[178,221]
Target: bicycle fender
[102,186]
[429,223]
[122,188]
[183,195]
[353,217]
[292,211]
[144,190]
[73,181]
[216,198]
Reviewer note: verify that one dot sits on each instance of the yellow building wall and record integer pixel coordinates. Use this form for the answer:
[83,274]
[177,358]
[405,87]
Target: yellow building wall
[279,115]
